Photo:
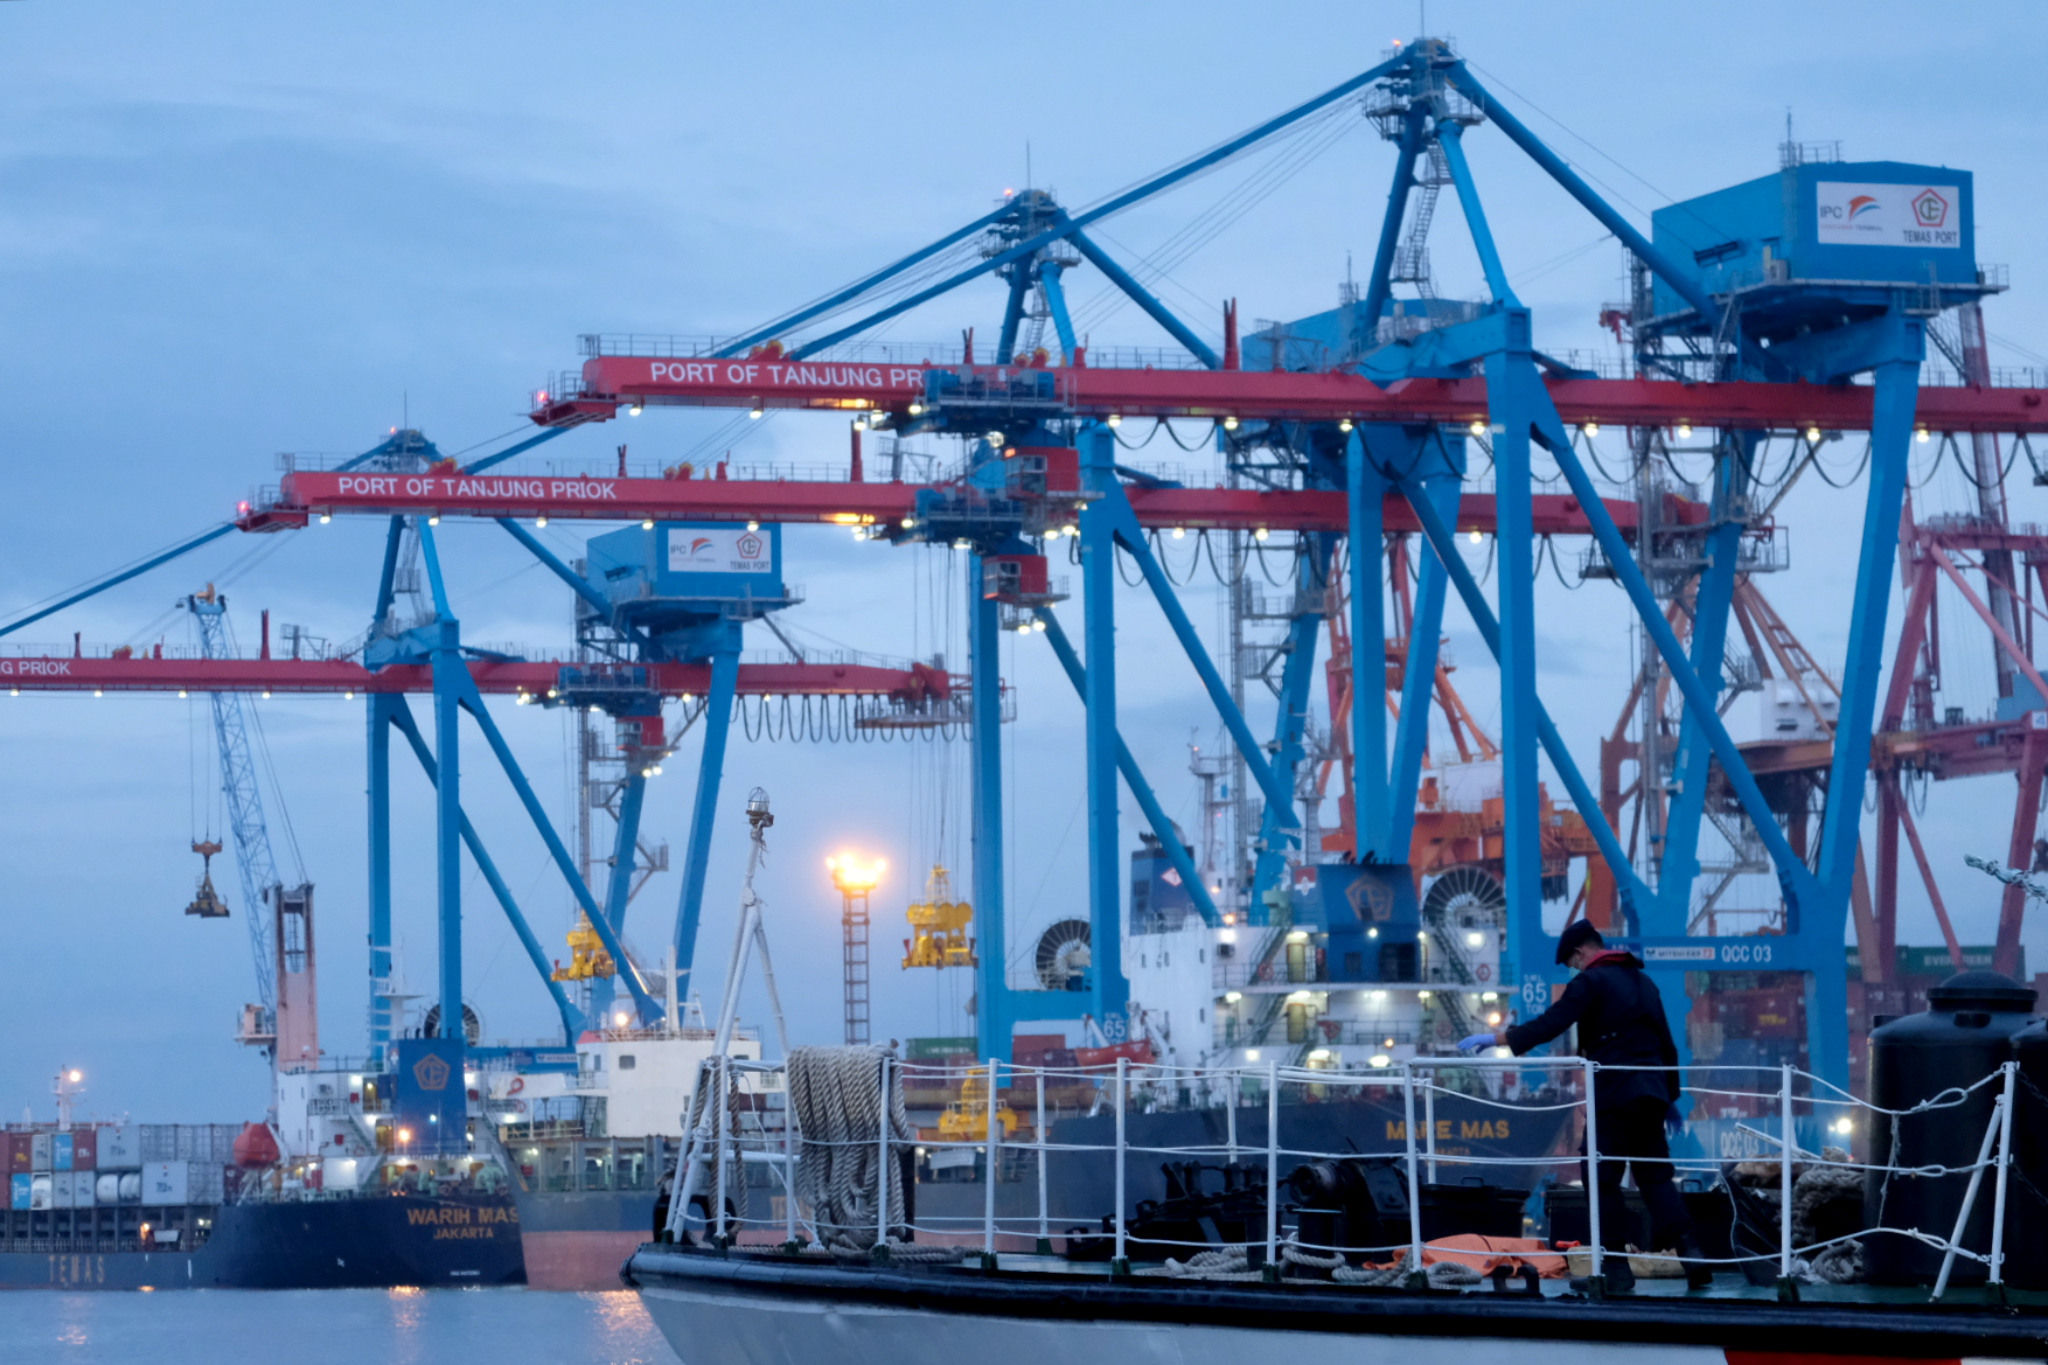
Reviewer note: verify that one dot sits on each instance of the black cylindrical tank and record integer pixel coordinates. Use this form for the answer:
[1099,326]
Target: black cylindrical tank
[2026,1213]
[1964,1035]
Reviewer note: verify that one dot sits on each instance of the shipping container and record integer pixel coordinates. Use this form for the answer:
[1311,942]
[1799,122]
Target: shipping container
[39,1192]
[930,1049]
[39,1152]
[106,1187]
[131,1187]
[159,1143]
[181,1182]
[120,1149]
[18,1189]
[84,1193]
[14,1152]
[60,1151]
[185,1143]
[85,1148]
[224,1135]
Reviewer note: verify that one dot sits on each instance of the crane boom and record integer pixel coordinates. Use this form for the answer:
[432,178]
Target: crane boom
[253,857]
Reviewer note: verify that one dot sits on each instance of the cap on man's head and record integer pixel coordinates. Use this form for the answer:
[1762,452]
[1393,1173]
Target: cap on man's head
[1577,935]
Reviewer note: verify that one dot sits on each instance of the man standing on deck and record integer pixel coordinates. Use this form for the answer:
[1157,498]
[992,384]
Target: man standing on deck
[1621,1023]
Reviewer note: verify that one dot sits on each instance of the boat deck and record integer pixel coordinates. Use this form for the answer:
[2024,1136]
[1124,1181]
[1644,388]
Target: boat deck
[1824,1320]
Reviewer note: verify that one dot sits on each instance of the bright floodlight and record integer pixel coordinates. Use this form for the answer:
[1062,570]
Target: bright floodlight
[853,877]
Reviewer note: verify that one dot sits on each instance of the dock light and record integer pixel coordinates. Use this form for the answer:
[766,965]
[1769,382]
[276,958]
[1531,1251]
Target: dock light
[1590,428]
[181,692]
[1230,423]
[1372,933]
[594,710]
[1232,997]
[657,770]
[852,877]
[552,694]
[963,544]
[1422,933]
[1474,939]
[97,693]
[1070,530]
[15,692]
[348,695]
[1684,431]
[633,410]
[1038,624]
[1477,428]
[753,525]
[1345,425]
[1180,532]
[647,523]
[621,1019]
[756,412]
[324,518]
[688,697]
[434,520]
[1116,419]
[1494,1018]
[540,521]
[1813,435]
[1843,1126]
[1921,435]
[1476,537]
[266,694]
[1382,1060]
[1489,997]
[404,1136]
[916,409]
[1251,1054]
[74,1075]
[647,772]
[1259,534]
[1422,995]
[908,523]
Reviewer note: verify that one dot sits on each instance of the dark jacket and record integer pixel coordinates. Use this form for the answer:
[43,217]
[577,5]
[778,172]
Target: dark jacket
[1620,1017]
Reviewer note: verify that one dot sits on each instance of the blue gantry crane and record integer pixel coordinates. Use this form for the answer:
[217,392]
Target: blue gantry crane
[284,1021]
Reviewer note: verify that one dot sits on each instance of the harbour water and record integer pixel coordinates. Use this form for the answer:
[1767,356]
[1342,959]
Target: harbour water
[330,1327]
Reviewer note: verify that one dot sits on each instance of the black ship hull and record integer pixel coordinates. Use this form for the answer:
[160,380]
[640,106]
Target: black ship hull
[355,1242]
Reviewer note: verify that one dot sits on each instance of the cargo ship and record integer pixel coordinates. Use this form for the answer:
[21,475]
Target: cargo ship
[213,1206]
[586,1148]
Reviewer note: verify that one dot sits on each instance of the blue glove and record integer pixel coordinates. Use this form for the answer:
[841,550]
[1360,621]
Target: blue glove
[1674,1120]
[1475,1042]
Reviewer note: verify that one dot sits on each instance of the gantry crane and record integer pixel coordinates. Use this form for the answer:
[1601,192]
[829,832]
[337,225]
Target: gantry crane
[1376,441]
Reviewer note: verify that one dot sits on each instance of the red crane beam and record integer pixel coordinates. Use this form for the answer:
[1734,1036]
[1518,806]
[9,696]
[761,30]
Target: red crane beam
[148,673]
[610,382]
[305,494]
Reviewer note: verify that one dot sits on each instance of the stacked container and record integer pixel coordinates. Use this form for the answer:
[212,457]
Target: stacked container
[120,1149]
[181,1182]
[18,1185]
[85,1147]
[39,1152]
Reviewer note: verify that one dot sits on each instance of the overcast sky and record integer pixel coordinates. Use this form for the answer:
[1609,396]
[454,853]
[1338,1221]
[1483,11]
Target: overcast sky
[235,229]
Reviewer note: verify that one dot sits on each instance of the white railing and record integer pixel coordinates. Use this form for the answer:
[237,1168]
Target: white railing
[755,1129]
